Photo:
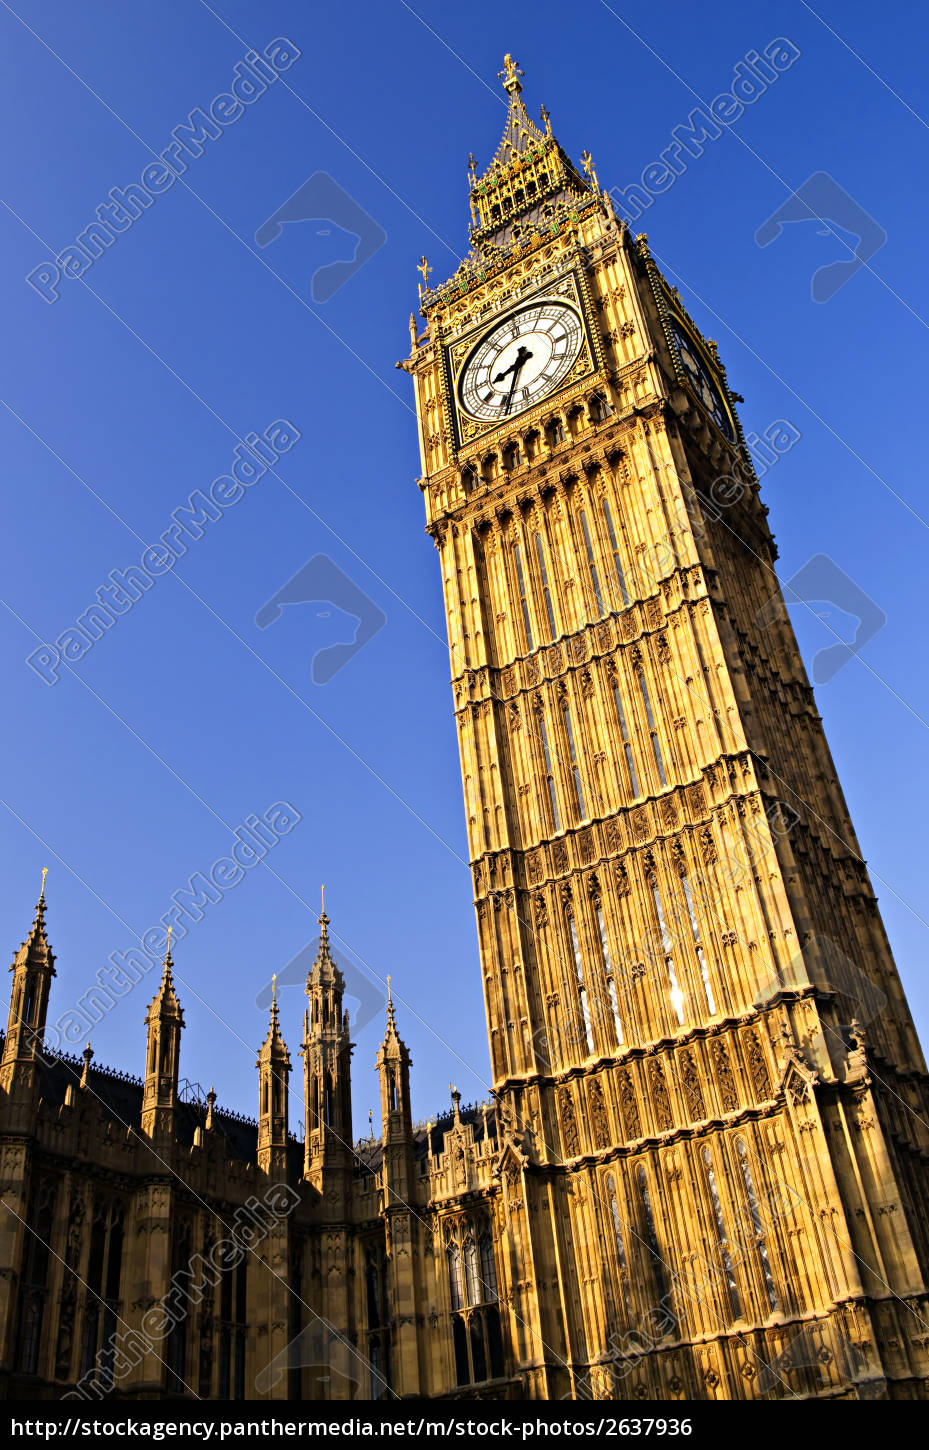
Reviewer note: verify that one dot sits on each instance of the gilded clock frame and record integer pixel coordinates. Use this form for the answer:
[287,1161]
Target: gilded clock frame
[568,287]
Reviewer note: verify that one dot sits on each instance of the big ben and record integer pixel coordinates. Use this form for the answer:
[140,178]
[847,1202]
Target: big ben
[710,1096]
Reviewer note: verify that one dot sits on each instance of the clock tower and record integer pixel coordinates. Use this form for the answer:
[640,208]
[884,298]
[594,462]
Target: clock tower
[710,1096]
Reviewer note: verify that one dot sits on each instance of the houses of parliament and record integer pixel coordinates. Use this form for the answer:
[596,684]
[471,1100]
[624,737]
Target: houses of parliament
[703,1171]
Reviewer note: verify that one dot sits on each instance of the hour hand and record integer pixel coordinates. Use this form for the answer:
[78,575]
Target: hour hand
[516,366]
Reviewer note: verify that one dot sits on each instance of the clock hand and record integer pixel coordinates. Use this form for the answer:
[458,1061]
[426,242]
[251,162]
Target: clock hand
[522,357]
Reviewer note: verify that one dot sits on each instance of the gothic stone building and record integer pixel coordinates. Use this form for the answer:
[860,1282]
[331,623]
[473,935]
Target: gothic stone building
[704,1172]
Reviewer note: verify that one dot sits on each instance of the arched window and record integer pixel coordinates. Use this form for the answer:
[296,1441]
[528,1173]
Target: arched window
[591,562]
[546,591]
[608,973]
[549,773]
[575,768]
[651,1242]
[616,1222]
[758,1235]
[472,1274]
[632,784]
[523,596]
[581,982]
[722,1244]
[614,549]
[675,995]
[456,1294]
[652,727]
[488,1268]
[698,945]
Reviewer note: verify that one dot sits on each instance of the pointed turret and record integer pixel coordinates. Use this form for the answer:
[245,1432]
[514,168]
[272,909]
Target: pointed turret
[529,179]
[393,1065]
[33,968]
[326,1053]
[164,1021]
[273,1086]
[405,1290]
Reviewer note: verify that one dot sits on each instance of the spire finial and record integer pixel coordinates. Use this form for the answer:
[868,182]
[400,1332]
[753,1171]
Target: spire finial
[322,892]
[274,991]
[510,76]
[589,169]
[169,960]
[424,267]
[44,874]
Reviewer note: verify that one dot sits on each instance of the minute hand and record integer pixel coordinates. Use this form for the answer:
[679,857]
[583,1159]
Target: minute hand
[522,358]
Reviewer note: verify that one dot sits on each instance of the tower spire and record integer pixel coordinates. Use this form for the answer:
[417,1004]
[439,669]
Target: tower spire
[164,1022]
[33,968]
[326,1052]
[528,172]
[273,1078]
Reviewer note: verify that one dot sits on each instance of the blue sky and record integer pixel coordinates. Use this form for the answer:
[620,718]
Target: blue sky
[132,389]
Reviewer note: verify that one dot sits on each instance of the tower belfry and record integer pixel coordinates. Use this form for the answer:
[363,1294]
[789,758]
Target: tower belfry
[676,927]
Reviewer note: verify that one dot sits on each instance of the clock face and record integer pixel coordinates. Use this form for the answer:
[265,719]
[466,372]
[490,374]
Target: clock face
[700,379]
[521,360]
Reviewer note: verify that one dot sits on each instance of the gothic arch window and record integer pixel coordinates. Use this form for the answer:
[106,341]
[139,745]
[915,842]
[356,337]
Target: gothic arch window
[30,996]
[33,1283]
[554,432]
[675,995]
[619,575]
[659,1267]
[549,772]
[698,944]
[103,1304]
[546,589]
[619,1243]
[591,562]
[473,1288]
[722,1243]
[476,1330]
[488,1267]
[652,726]
[233,1323]
[512,457]
[575,767]
[757,1226]
[580,982]
[523,595]
[608,973]
[600,408]
[455,1285]
[632,783]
